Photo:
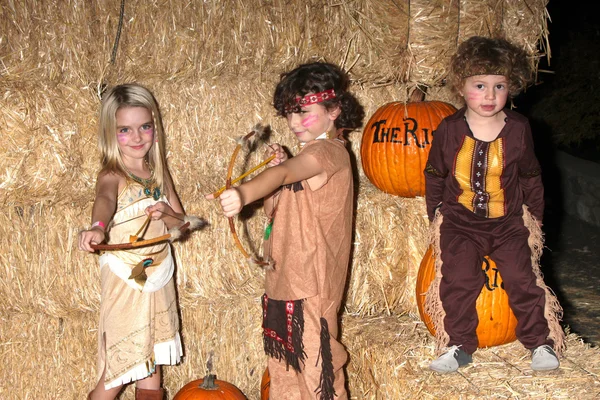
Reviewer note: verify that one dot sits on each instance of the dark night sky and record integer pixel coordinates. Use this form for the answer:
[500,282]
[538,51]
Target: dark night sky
[564,107]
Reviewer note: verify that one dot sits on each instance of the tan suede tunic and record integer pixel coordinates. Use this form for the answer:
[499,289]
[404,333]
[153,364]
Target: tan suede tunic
[312,230]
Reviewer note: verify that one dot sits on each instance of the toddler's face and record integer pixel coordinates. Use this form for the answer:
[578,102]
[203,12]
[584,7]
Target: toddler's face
[486,95]
[312,121]
[135,132]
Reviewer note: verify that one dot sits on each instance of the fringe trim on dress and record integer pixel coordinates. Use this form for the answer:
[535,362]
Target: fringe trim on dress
[325,388]
[553,310]
[166,353]
[433,303]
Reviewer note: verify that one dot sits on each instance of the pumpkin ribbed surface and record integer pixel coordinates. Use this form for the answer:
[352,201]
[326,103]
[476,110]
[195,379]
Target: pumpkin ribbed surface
[220,390]
[396,142]
[497,322]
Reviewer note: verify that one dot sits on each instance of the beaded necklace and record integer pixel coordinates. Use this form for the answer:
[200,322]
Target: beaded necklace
[149,184]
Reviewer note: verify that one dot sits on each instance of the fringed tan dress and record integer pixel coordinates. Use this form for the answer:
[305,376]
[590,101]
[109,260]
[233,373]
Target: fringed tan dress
[139,324]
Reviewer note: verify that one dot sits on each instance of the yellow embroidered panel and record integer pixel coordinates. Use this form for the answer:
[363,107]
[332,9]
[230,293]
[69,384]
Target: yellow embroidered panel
[462,172]
[478,171]
[493,184]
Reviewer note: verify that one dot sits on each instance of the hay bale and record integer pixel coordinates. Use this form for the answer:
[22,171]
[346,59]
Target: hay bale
[62,351]
[213,67]
[48,192]
[44,270]
[380,41]
[51,85]
[389,358]
[390,240]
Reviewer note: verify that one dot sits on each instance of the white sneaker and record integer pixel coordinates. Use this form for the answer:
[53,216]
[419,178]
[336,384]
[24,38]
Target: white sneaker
[543,358]
[451,360]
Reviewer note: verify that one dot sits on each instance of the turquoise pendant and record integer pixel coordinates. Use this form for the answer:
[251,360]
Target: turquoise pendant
[147,192]
[156,193]
[147,262]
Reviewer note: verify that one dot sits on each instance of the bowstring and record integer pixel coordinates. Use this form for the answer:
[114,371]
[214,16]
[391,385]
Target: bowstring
[144,215]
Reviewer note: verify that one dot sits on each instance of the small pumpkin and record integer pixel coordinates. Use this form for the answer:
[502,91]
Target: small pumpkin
[209,388]
[396,142]
[265,385]
[497,322]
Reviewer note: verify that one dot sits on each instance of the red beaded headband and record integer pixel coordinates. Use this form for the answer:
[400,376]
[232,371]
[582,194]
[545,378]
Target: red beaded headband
[313,98]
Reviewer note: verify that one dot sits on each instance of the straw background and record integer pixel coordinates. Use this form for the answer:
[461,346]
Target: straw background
[213,66]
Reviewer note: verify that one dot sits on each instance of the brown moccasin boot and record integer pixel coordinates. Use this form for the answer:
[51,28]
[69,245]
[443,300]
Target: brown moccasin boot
[146,394]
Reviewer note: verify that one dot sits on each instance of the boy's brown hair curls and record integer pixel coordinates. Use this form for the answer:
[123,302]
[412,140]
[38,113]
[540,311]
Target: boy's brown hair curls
[480,55]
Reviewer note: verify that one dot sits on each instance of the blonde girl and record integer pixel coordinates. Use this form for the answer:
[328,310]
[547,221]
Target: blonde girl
[139,324]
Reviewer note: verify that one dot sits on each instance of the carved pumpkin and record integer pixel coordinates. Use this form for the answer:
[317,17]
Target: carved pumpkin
[497,322]
[209,388]
[396,143]
[265,385]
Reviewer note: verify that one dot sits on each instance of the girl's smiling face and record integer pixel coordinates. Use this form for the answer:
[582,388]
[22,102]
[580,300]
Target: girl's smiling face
[135,132]
[312,121]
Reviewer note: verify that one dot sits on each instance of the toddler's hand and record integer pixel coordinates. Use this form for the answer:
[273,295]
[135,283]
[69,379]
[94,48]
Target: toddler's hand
[280,154]
[159,210]
[89,237]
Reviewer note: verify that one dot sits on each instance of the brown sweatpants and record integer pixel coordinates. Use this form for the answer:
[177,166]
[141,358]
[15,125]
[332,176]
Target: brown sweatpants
[463,247]
[291,385]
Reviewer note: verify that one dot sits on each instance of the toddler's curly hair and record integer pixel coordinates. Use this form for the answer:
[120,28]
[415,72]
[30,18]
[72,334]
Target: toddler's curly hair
[480,55]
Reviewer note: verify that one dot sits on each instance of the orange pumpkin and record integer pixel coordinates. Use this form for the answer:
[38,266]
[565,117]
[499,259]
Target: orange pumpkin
[396,143]
[265,385]
[497,322]
[209,388]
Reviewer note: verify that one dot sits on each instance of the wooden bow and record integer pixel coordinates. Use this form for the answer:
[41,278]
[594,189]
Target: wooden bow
[143,243]
[238,243]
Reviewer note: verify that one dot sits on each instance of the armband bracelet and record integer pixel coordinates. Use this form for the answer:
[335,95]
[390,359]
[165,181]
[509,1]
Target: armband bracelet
[100,224]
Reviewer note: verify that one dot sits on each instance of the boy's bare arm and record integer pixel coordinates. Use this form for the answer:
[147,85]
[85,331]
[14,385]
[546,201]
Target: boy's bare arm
[295,169]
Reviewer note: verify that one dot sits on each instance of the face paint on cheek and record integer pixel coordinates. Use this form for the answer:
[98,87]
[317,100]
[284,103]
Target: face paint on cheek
[308,121]
[121,137]
[470,96]
[150,133]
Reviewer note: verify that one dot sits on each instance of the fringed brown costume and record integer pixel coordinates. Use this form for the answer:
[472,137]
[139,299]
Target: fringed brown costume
[485,198]
[310,241]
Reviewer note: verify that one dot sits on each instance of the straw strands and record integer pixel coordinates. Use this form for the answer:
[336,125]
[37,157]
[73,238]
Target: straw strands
[41,260]
[389,359]
[374,39]
[213,66]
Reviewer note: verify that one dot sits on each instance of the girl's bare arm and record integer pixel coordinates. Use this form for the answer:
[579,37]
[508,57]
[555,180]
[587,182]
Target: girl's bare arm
[105,203]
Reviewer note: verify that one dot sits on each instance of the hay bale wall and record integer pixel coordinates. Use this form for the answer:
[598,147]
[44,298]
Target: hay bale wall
[213,66]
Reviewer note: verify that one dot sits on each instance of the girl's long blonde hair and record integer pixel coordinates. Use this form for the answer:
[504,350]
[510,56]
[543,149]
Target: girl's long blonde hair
[130,95]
